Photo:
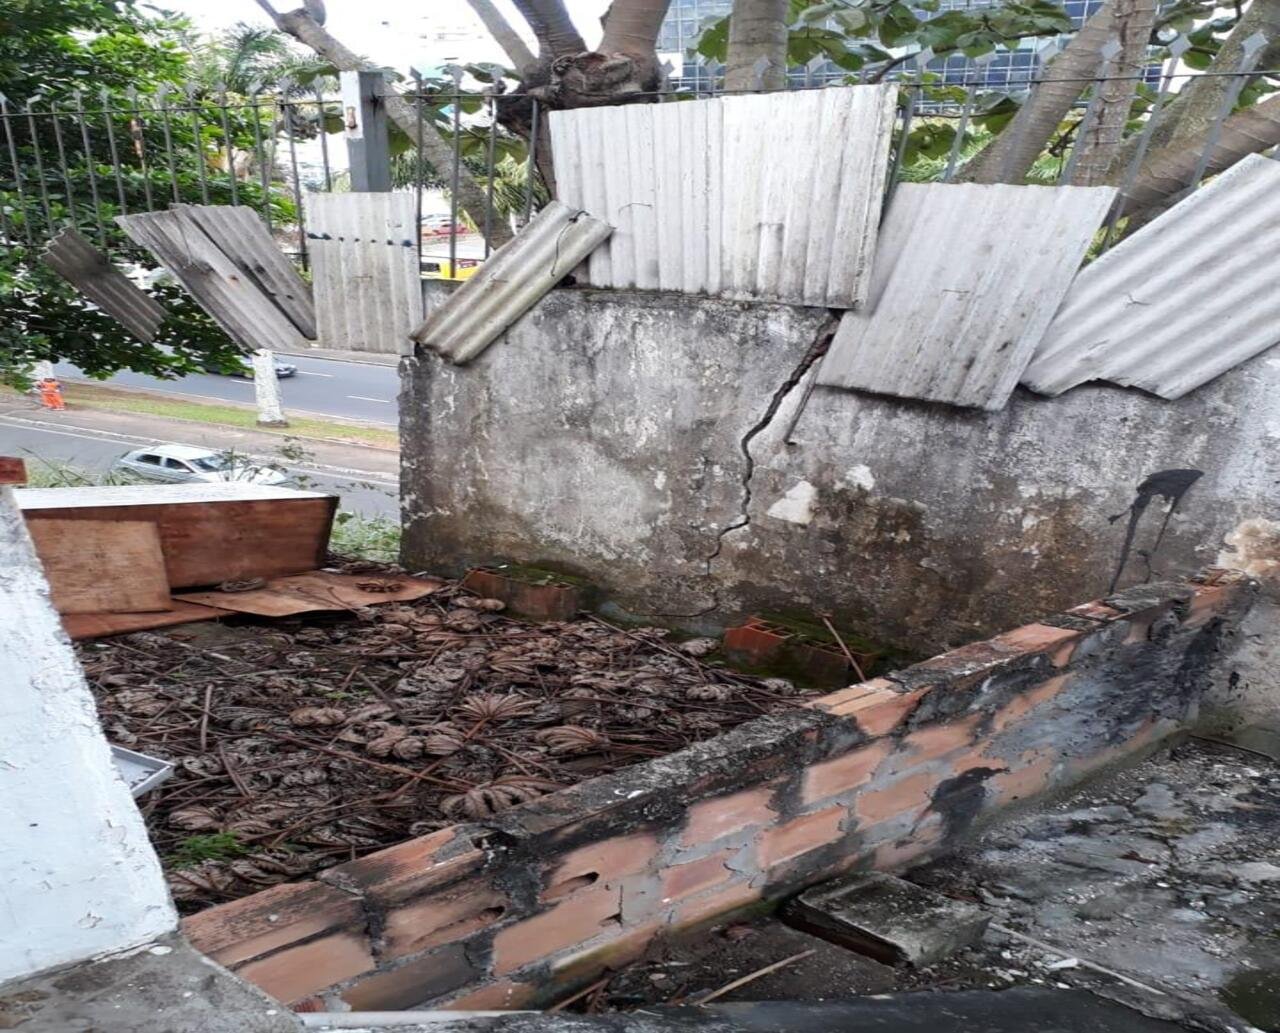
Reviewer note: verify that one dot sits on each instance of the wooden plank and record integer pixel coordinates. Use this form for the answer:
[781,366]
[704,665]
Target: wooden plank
[318,590]
[12,470]
[102,566]
[99,625]
[244,238]
[234,301]
[208,542]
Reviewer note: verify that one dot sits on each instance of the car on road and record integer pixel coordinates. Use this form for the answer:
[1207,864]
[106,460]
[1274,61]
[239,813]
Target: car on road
[185,464]
[245,369]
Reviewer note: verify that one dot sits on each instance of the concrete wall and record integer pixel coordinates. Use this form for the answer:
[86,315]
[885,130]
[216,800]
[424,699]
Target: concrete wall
[514,909]
[604,434]
[78,875]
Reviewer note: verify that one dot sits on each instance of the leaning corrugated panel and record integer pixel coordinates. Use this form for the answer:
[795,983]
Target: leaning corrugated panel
[91,272]
[517,275]
[770,197]
[967,278]
[1187,297]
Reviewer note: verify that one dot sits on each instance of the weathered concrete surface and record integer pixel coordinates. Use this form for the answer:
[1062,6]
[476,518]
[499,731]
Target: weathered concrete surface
[162,987]
[604,435]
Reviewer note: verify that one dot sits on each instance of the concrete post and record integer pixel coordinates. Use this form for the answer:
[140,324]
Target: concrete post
[364,116]
[78,874]
[266,389]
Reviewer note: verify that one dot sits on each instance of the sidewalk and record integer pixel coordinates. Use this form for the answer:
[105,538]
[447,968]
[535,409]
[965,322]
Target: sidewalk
[134,428]
[338,355]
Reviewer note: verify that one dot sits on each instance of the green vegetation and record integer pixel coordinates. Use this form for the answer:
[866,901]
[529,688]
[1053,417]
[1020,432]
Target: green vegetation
[211,846]
[365,537]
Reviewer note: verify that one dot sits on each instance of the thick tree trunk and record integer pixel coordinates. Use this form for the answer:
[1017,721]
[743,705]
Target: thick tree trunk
[757,36]
[1167,170]
[1193,110]
[508,39]
[632,26]
[1010,156]
[471,195]
[1098,148]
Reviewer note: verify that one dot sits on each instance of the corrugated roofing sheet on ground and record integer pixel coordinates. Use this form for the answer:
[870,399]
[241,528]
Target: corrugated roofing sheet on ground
[1187,297]
[364,270]
[92,274]
[511,282]
[762,197]
[967,278]
[234,301]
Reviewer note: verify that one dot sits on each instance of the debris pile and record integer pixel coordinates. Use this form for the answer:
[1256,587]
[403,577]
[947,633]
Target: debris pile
[301,744]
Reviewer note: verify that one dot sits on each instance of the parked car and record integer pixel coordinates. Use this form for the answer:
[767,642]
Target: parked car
[182,464]
[245,369]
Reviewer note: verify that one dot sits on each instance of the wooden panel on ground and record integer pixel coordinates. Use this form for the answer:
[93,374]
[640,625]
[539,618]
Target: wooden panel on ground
[318,590]
[244,238]
[99,625]
[102,566]
[90,272]
[234,301]
[210,533]
[364,267]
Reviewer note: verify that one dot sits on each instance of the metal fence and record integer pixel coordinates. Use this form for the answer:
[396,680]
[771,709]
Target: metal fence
[82,160]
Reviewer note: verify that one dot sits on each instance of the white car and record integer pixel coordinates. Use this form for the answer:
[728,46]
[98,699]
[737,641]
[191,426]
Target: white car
[185,464]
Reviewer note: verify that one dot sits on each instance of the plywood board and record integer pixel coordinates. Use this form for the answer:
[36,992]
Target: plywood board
[318,590]
[207,536]
[99,625]
[102,566]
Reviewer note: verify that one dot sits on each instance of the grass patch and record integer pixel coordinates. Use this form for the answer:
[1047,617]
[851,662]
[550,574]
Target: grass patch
[365,537]
[97,396]
[213,846]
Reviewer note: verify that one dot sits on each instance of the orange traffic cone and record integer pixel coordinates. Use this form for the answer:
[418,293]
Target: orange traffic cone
[51,394]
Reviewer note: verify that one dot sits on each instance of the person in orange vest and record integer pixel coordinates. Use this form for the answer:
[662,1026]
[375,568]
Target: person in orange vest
[51,394]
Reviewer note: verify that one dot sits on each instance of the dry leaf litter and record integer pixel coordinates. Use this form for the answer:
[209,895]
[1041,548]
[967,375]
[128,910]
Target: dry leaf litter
[304,743]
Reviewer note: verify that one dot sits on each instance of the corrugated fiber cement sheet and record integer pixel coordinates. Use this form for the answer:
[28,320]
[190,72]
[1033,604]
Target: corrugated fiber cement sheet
[967,278]
[365,278]
[772,197]
[1187,297]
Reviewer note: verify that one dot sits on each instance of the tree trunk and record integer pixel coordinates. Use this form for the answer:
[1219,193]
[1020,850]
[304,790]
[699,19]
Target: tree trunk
[1194,108]
[471,195]
[1166,171]
[1010,156]
[508,39]
[266,390]
[1098,148]
[632,26]
[757,34]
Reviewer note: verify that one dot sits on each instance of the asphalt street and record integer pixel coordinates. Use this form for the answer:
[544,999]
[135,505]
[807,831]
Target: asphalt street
[348,390]
[93,450]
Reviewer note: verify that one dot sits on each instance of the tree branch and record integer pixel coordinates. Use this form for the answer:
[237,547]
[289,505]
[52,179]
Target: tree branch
[631,27]
[500,29]
[305,29]
[552,26]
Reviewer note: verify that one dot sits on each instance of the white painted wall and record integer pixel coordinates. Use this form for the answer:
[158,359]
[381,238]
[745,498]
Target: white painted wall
[78,875]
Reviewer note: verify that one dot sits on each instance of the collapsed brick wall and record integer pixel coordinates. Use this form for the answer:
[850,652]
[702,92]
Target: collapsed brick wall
[880,775]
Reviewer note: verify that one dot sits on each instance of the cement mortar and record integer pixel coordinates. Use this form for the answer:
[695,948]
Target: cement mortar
[604,435]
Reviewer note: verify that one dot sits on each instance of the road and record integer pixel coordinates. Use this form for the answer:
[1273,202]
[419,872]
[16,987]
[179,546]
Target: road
[347,390]
[93,451]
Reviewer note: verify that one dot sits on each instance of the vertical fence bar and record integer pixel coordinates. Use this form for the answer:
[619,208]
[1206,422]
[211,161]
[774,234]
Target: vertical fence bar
[115,155]
[64,165]
[136,130]
[900,153]
[417,160]
[532,169]
[198,128]
[264,166]
[1250,51]
[228,146]
[91,166]
[7,118]
[490,154]
[162,96]
[324,139]
[1110,53]
[456,177]
[35,150]
[287,115]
